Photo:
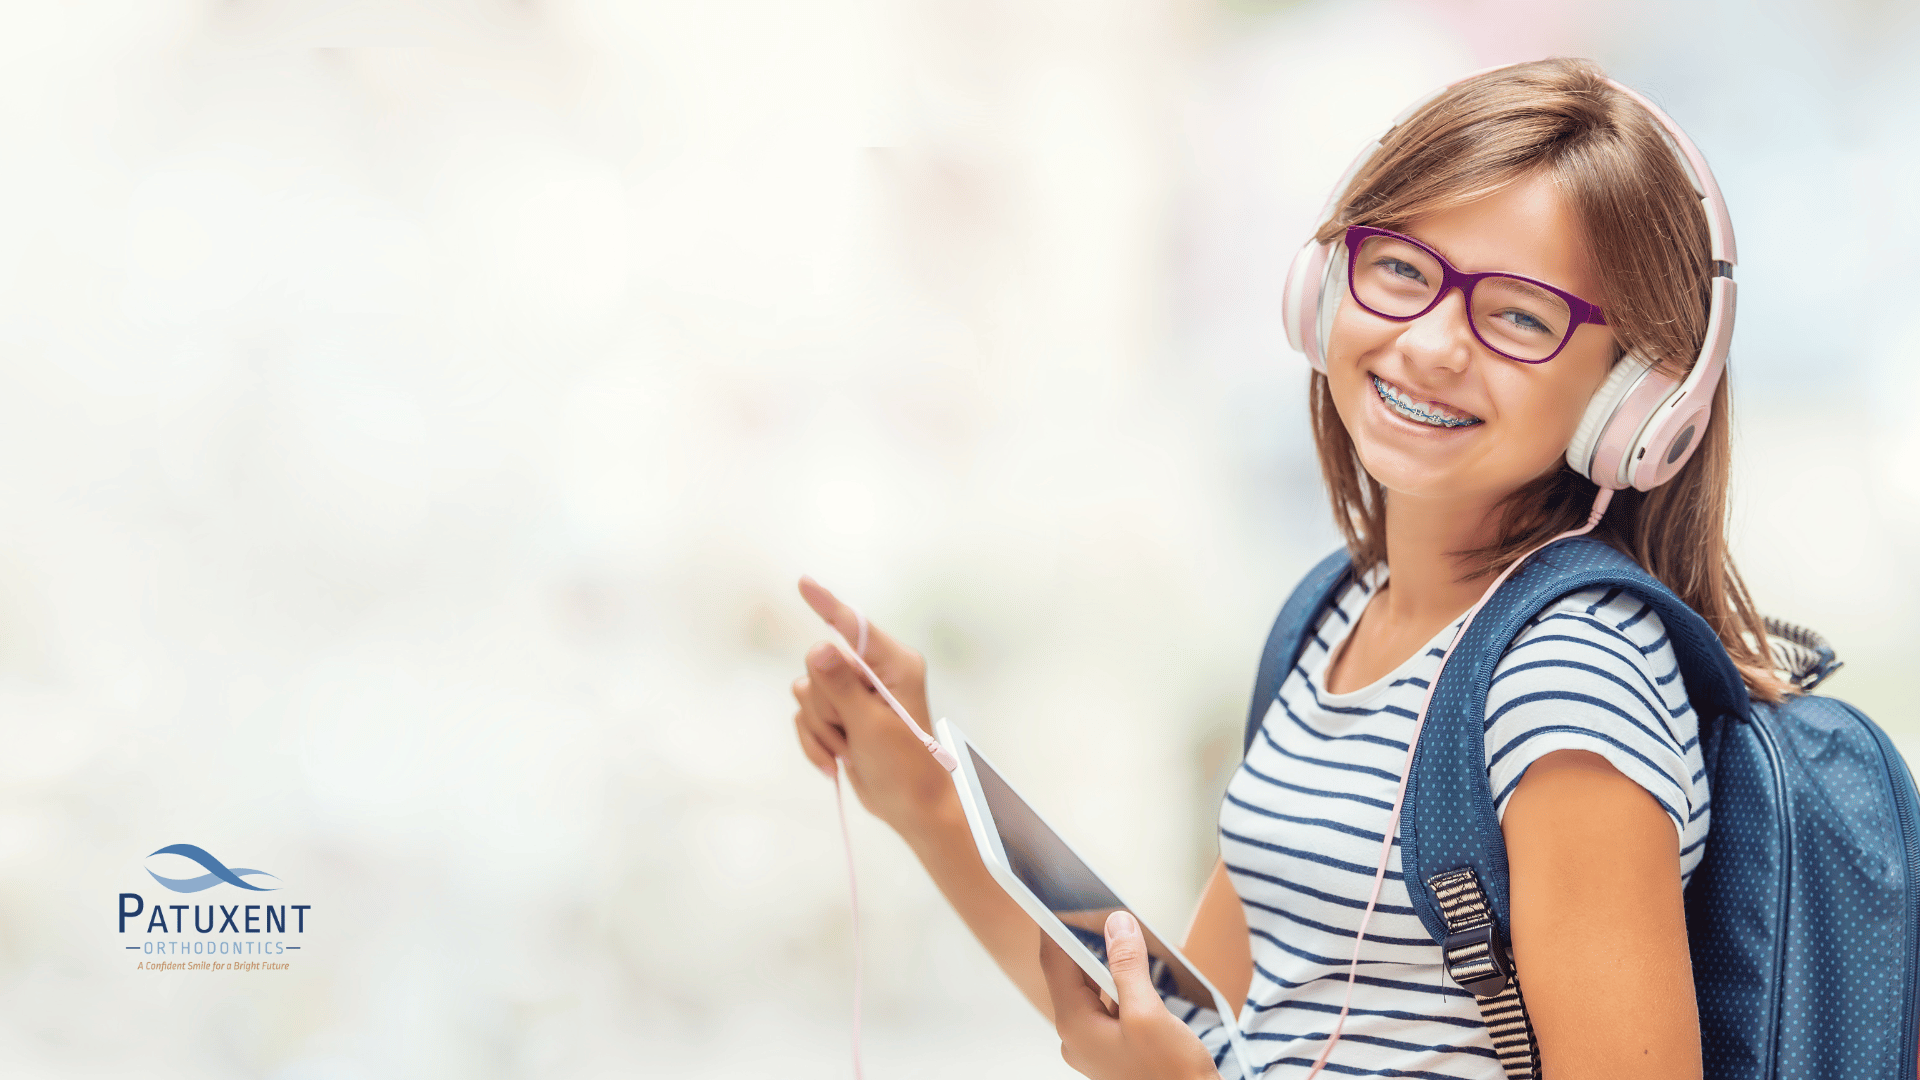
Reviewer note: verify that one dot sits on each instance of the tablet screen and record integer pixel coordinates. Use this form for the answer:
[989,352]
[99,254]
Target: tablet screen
[1069,888]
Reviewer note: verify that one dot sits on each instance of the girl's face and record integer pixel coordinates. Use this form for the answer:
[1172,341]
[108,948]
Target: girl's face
[1521,416]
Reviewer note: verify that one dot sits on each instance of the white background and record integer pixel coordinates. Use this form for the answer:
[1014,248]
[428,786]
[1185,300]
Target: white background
[413,419]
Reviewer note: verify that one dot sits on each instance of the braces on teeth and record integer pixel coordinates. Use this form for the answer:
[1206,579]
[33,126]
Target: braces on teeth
[1415,412]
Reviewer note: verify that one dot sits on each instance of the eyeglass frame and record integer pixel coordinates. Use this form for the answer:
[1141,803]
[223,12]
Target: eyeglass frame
[1579,311]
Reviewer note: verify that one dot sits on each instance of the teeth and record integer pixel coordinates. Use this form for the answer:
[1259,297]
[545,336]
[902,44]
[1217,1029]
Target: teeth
[1411,411]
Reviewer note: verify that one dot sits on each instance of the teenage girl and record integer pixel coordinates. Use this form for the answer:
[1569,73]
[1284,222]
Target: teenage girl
[1442,422]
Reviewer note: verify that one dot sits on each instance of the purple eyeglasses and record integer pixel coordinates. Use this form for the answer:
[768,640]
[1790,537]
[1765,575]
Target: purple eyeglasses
[1397,277]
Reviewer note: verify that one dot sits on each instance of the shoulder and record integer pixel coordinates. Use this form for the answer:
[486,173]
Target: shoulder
[1596,671]
[1600,628]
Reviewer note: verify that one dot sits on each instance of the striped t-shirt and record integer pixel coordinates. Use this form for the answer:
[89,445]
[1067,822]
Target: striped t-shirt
[1301,826]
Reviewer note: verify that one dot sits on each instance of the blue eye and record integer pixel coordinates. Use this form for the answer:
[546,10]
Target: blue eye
[1400,268]
[1520,320]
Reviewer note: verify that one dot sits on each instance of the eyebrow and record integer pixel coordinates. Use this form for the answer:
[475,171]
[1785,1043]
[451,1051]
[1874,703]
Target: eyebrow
[1529,287]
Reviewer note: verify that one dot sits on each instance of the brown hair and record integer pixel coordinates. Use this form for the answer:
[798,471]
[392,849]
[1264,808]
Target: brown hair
[1647,235]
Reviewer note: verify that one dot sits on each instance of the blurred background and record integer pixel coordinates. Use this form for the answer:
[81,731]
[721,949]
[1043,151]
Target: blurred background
[415,417]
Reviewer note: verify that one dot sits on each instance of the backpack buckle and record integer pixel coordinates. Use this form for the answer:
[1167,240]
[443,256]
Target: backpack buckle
[1477,960]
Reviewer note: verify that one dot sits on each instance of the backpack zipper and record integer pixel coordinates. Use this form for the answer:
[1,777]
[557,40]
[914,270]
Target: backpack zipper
[1785,818]
[1904,811]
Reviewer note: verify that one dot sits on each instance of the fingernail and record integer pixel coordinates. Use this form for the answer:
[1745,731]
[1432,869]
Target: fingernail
[823,657]
[1121,922]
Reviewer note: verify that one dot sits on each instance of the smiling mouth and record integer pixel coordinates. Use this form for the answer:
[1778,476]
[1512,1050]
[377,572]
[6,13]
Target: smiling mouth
[1432,413]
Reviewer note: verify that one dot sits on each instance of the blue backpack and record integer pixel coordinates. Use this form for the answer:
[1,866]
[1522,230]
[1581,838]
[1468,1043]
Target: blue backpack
[1804,916]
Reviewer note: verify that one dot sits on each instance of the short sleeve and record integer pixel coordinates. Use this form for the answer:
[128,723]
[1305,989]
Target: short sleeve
[1596,672]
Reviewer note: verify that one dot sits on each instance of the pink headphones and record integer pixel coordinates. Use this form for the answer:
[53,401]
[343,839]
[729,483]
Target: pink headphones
[1641,425]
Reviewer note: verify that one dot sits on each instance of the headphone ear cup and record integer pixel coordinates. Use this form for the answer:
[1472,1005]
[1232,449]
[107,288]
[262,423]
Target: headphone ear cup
[1300,302]
[1605,423]
[1333,286]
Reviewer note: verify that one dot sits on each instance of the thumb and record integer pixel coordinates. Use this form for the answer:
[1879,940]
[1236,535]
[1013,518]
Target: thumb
[1127,959]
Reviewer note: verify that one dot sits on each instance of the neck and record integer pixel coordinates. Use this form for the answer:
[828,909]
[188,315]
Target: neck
[1426,584]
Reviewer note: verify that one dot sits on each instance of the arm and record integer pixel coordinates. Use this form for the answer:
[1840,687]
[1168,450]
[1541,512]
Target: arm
[841,717]
[1217,941]
[945,847]
[1599,931]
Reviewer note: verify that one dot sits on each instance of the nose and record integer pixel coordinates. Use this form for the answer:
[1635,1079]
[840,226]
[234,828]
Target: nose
[1441,340]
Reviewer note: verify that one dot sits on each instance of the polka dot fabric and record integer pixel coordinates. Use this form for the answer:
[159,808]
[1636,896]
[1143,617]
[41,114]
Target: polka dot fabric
[1804,917]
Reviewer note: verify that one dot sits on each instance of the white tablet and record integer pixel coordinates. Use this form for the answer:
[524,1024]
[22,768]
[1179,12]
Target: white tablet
[1061,893]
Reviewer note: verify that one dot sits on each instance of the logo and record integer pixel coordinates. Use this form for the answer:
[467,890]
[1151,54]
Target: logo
[243,936]
[216,872]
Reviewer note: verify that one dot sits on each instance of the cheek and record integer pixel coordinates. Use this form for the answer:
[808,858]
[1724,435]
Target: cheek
[1354,336]
[1544,413]
[1354,330]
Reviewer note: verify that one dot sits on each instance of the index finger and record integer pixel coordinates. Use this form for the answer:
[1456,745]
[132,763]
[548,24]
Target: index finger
[843,617]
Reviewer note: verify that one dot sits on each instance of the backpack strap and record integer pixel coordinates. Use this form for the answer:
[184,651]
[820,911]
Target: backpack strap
[1288,638]
[1452,854]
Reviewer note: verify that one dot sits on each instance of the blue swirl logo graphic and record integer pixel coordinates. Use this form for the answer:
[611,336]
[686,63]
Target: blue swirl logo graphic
[217,872]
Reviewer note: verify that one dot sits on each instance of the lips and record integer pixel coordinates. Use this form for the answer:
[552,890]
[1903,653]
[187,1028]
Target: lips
[1430,413]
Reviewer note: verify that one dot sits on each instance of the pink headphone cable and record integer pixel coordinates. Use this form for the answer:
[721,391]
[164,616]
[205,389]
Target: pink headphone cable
[940,754]
[948,762]
[853,896]
[1600,502]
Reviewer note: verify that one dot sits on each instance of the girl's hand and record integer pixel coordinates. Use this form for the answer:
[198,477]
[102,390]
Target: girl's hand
[1134,1039]
[840,716]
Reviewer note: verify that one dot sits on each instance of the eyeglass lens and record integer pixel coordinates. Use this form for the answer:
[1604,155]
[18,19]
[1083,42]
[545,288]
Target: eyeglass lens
[1394,278]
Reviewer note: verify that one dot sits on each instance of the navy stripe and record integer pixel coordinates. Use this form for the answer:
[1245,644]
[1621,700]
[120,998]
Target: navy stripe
[1308,890]
[1349,1070]
[1444,989]
[1348,795]
[1354,736]
[1585,620]
[1318,823]
[1336,931]
[1636,664]
[1375,1040]
[1663,737]
[1323,961]
[1656,710]
[1672,738]
[1391,1014]
[1367,769]
[1310,856]
[1555,728]
[1645,610]
[1351,710]
[1605,599]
